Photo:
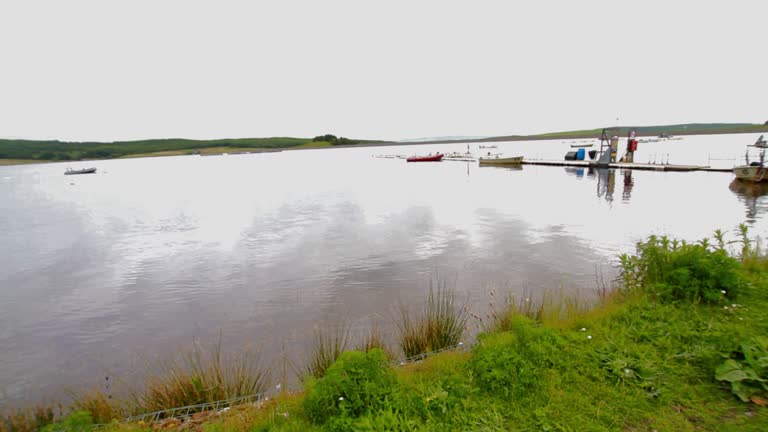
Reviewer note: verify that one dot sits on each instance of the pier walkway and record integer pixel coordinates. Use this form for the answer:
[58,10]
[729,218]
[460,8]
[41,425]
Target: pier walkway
[626,165]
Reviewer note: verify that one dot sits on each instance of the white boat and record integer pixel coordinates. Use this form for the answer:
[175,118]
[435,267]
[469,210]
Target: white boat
[70,171]
[754,171]
[463,157]
[516,160]
[489,146]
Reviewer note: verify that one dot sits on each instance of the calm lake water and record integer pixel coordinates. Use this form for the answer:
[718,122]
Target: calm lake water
[99,272]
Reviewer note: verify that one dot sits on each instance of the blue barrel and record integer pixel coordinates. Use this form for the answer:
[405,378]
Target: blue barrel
[580,153]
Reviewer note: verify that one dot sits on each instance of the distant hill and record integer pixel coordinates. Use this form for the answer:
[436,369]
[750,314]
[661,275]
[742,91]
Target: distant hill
[62,151]
[445,138]
[677,129]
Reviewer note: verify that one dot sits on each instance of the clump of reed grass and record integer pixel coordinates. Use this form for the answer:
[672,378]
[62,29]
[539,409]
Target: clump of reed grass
[29,419]
[373,339]
[439,325]
[328,345]
[200,376]
[102,407]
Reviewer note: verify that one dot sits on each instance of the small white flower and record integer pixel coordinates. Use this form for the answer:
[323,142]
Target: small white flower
[341,398]
[741,319]
[402,363]
[627,372]
[461,343]
[589,336]
[734,305]
[583,329]
[723,291]
[278,386]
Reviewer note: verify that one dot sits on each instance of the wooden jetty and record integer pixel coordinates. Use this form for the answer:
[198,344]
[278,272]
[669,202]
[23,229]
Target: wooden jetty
[625,165]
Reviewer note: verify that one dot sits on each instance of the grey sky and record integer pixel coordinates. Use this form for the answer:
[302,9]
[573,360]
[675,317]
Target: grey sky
[106,70]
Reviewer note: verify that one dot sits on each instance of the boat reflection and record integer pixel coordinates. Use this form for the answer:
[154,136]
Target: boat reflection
[751,194]
[575,171]
[503,167]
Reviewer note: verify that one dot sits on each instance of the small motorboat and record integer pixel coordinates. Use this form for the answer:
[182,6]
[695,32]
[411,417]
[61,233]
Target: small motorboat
[517,160]
[71,171]
[462,157]
[430,158]
[754,171]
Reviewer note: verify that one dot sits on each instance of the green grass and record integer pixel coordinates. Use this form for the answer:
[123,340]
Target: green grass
[20,161]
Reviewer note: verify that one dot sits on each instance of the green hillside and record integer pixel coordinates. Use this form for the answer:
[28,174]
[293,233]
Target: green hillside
[677,129]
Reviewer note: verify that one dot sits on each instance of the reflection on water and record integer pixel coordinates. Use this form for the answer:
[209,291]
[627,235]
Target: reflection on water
[264,247]
[753,195]
[628,184]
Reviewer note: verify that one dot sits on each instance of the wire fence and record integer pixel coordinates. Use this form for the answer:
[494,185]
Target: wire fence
[185,412]
[423,356]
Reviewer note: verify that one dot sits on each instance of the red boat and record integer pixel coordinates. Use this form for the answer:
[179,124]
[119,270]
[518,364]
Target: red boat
[431,158]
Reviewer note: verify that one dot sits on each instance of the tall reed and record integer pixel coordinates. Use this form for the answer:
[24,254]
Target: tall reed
[30,419]
[328,345]
[200,376]
[439,325]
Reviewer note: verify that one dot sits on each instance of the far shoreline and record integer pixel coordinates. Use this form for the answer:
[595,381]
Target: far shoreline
[212,151]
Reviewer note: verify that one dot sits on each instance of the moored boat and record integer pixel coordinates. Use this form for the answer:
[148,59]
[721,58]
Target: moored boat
[754,171]
[430,158]
[517,160]
[70,171]
[462,157]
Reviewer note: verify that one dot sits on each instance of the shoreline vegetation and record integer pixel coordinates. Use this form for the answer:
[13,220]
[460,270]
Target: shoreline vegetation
[15,152]
[678,344]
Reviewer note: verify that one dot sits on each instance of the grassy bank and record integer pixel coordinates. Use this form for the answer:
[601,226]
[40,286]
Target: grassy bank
[19,161]
[679,345]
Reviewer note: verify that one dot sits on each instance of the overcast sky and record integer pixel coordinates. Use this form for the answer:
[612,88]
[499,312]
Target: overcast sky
[107,70]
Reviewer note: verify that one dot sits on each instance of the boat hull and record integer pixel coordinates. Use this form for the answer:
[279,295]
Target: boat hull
[751,173]
[502,161]
[81,171]
[434,158]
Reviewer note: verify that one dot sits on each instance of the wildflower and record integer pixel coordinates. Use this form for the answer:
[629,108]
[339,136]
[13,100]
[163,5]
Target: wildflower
[278,386]
[589,336]
[583,329]
[461,343]
[723,291]
[734,305]
[341,398]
